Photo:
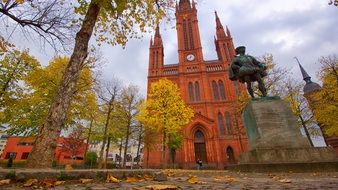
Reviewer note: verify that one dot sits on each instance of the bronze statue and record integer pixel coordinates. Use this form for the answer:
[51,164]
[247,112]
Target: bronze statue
[246,68]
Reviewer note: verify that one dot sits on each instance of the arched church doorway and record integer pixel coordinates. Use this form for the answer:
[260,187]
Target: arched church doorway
[230,155]
[200,148]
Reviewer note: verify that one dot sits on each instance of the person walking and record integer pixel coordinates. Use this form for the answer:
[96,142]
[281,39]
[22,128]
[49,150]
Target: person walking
[199,164]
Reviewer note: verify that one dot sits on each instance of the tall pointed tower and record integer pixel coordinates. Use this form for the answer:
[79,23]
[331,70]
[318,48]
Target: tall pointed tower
[215,135]
[156,56]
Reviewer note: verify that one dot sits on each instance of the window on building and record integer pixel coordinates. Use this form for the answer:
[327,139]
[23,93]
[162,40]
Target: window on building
[228,123]
[24,155]
[215,90]
[191,91]
[191,38]
[221,124]
[185,32]
[25,144]
[221,89]
[197,91]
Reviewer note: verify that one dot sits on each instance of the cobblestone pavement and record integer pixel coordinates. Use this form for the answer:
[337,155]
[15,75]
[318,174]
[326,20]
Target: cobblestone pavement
[214,180]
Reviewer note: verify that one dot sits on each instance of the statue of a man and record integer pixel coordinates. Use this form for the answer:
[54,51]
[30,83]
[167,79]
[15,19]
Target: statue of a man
[246,68]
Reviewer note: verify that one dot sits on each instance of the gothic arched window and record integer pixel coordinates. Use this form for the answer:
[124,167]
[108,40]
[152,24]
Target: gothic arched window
[215,90]
[221,124]
[221,89]
[191,91]
[228,123]
[185,32]
[191,35]
[197,91]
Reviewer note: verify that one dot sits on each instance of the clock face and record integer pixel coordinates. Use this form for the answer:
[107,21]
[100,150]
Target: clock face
[190,57]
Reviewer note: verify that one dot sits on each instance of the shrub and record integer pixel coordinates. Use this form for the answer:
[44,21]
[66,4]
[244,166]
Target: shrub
[90,159]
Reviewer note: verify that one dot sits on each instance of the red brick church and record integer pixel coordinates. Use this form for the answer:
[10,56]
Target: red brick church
[215,134]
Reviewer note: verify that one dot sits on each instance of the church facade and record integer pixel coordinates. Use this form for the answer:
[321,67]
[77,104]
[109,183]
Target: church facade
[216,134]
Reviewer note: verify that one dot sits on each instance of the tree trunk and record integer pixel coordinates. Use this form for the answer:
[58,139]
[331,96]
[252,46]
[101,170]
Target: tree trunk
[164,153]
[88,137]
[42,155]
[139,146]
[107,152]
[120,153]
[173,155]
[306,131]
[126,146]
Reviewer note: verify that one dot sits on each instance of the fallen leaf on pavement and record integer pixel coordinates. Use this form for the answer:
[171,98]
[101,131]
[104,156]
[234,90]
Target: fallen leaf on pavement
[86,180]
[131,179]
[192,179]
[59,183]
[162,187]
[226,177]
[112,179]
[30,182]
[148,177]
[48,182]
[5,181]
[285,180]
[195,180]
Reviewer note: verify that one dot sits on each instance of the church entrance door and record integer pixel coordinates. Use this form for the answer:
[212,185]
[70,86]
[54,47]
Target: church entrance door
[230,155]
[200,148]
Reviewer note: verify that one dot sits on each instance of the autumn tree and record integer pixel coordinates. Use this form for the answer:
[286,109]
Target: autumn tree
[15,66]
[25,116]
[325,101]
[115,22]
[108,93]
[127,109]
[166,112]
[292,93]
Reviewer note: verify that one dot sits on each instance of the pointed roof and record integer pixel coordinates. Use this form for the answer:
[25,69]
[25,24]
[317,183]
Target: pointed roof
[218,22]
[309,86]
[157,37]
[219,28]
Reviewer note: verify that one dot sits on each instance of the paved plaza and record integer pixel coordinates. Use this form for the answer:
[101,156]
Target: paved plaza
[206,179]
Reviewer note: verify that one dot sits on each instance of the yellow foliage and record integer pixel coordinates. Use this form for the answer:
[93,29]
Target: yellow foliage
[165,110]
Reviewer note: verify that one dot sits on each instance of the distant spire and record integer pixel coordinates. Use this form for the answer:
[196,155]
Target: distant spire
[306,76]
[219,28]
[157,37]
[309,86]
[218,22]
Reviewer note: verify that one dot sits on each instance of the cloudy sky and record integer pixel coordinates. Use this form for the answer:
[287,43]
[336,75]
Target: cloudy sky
[307,29]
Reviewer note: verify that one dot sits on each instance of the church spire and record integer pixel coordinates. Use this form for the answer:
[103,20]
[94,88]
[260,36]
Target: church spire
[219,28]
[157,37]
[306,76]
[309,86]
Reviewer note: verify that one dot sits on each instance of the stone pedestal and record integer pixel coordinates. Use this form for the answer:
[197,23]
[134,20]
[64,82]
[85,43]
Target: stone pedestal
[274,136]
